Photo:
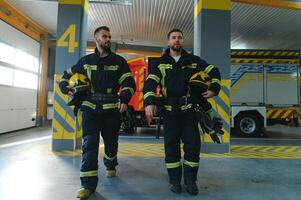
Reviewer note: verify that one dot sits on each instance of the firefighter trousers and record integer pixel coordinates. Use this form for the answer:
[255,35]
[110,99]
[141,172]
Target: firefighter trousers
[177,127]
[108,125]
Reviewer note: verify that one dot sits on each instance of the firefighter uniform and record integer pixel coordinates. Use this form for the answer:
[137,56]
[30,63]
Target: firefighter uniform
[100,109]
[179,118]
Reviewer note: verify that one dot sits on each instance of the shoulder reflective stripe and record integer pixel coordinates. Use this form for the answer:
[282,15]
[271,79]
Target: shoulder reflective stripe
[62,80]
[173,165]
[89,173]
[124,76]
[69,71]
[107,157]
[153,77]
[194,65]
[208,69]
[148,94]
[90,67]
[128,88]
[215,80]
[185,107]
[111,67]
[89,104]
[168,107]
[109,105]
[191,164]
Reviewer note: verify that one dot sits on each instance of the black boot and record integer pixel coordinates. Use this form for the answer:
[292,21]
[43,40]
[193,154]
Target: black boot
[192,188]
[175,188]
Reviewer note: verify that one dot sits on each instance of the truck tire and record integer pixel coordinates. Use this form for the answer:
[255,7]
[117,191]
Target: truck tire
[248,125]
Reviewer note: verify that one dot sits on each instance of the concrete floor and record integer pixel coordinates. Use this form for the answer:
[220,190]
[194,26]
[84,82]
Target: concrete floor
[30,170]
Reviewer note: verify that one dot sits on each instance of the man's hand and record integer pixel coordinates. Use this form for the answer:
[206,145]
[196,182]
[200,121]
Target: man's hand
[208,94]
[150,111]
[70,91]
[122,107]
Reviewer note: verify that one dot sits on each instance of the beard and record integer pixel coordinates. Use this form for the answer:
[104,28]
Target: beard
[104,46]
[176,48]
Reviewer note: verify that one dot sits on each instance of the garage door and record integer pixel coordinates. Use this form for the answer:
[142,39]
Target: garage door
[19,76]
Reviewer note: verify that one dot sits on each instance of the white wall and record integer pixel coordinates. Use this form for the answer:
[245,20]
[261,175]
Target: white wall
[18,104]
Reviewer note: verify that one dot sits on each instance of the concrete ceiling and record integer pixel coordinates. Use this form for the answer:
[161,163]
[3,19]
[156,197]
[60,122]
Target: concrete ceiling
[146,22]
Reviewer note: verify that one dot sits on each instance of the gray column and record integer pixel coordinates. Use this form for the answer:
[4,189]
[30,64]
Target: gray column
[71,45]
[212,20]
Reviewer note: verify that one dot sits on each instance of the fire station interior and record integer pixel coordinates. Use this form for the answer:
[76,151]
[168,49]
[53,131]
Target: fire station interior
[255,45]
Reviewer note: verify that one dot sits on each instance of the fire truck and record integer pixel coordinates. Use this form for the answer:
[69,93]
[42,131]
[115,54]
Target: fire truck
[265,89]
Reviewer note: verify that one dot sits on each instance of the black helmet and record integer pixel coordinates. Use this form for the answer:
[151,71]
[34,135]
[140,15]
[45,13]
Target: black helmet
[198,84]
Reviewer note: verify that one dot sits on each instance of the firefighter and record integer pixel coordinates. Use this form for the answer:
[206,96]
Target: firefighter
[172,72]
[101,109]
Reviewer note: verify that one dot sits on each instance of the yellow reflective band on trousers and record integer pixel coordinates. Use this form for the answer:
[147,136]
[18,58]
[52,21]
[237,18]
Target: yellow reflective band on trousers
[124,76]
[91,173]
[148,94]
[107,157]
[109,106]
[162,68]
[89,104]
[191,164]
[173,165]
[185,107]
[208,69]
[128,88]
[215,80]
[154,77]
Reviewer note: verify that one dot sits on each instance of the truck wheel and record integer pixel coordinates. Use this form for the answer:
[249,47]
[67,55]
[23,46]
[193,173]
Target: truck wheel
[248,125]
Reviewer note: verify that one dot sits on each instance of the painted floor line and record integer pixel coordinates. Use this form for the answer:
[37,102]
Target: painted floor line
[25,141]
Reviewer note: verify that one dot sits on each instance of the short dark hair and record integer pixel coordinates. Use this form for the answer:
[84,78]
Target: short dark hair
[101,28]
[174,30]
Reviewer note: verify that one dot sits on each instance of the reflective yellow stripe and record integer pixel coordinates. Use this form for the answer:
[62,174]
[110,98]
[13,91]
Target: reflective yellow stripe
[165,66]
[109,105]
[191,164]
[208,69]
[89,173]
[148,94]
[154,77]
[128,88]
[173,165]
[89,104]
[192,66]
[162,68]
[69,71]
[107,157]
[111,67]
[215,80]
[124,76]
[64,80]
[90,67]
[185,107]
[168,107]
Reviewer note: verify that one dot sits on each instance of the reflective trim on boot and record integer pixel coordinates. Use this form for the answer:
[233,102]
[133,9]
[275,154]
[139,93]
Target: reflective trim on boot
[84,193]
[111,173]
